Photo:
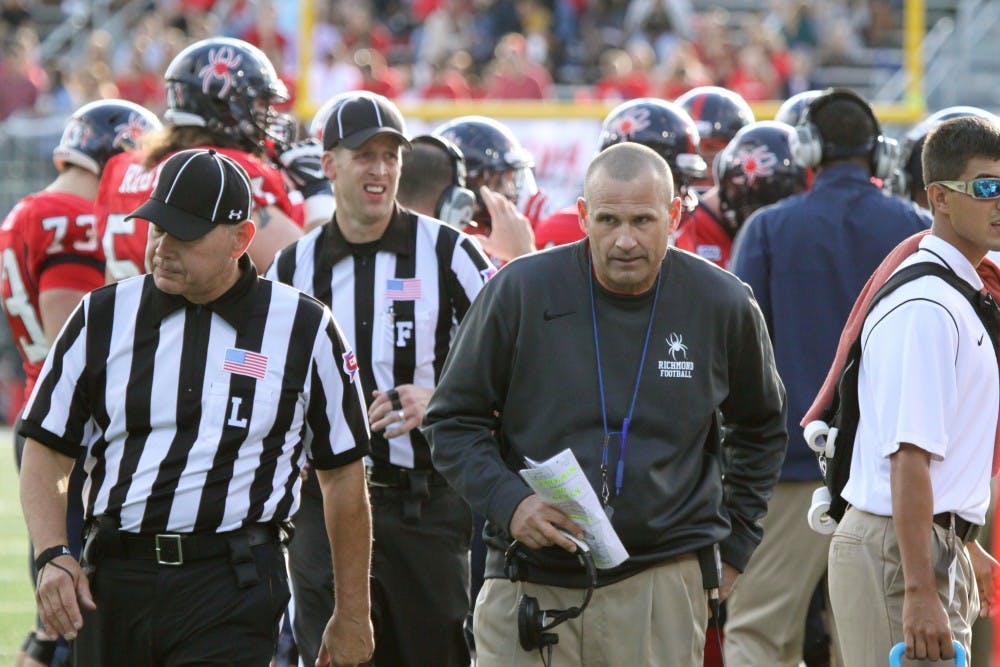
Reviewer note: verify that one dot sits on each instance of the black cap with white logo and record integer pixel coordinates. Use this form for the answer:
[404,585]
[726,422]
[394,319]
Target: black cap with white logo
[196,191]
[361,117]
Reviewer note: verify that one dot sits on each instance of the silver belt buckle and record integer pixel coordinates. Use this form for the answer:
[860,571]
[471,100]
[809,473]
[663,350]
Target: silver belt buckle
[167,545]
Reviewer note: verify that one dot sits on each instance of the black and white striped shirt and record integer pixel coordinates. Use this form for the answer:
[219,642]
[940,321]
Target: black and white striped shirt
[399,300]
[198,418]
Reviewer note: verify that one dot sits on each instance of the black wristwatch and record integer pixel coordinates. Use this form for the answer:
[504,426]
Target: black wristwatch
[49,554]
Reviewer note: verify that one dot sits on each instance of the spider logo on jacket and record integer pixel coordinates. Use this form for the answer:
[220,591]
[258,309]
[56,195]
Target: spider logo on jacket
[675,344]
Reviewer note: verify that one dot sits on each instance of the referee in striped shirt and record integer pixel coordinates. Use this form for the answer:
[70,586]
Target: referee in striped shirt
[399,283]
[197,393]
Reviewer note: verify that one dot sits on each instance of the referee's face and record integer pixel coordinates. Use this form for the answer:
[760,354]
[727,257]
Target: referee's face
[200,270]
[365,180]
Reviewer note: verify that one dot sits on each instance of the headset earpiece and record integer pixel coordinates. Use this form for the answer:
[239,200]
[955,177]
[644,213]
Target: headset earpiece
[530,625]
[456,204]
[884,157]
[533,622]
[811,149]
[808,150]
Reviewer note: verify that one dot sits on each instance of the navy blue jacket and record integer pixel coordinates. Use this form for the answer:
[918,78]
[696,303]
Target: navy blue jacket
[807,258]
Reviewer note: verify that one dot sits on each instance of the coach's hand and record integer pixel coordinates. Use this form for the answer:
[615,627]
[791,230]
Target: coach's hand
[536,524]
[347,641]
[402,408]
[61,590]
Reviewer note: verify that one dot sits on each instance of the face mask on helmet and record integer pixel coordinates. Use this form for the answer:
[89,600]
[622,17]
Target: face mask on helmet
[229,87]
[99,130]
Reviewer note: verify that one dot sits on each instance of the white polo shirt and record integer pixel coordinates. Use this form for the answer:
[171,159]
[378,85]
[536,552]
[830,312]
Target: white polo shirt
[928,377]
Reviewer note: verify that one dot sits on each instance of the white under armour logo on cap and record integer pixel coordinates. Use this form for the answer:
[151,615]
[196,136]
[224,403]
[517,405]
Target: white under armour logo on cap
[196,191]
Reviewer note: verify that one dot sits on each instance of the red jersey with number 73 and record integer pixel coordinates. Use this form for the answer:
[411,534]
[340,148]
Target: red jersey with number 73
[47,241]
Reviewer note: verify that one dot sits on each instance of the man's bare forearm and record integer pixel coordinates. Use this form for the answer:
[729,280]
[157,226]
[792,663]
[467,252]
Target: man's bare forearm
[349,527]
[44,474]
[913,514]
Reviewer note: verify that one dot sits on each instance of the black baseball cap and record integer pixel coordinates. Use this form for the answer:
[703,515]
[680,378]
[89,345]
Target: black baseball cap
[196,191]
[361,117]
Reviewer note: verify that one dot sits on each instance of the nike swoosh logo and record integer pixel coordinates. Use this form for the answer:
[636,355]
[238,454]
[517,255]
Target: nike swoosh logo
[980,341]
[548,316]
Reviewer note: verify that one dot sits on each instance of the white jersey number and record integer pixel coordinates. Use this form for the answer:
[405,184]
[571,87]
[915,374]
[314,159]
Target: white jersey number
[19,305]
[120,269]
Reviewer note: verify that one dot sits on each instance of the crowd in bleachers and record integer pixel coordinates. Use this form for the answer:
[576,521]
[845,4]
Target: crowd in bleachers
[458,49]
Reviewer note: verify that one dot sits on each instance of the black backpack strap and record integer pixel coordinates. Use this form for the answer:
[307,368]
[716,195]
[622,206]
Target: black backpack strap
[982,302]
[848,372]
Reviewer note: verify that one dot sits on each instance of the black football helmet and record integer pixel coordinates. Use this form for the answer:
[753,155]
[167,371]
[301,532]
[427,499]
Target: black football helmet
[229,87]
[101,129]
[718,113]
[793,110]
[493,157]
[907,179]
[755,169]
[663,126]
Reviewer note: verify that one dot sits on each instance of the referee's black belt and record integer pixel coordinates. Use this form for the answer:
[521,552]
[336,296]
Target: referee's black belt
[181,548]
[394,477]
[966,531]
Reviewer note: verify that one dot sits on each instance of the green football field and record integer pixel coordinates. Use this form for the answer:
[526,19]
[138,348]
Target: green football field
[17,603]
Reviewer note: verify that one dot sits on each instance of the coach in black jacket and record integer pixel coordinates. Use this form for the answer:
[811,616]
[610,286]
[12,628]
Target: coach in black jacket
[526,352]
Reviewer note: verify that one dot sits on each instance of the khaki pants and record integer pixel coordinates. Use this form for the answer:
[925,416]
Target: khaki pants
[652,619]
[866,589]
[766,611]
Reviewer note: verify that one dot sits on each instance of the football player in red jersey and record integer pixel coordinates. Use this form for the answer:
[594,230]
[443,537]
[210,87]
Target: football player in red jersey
[52,257]
[221,94]
[755,169]
[560,228]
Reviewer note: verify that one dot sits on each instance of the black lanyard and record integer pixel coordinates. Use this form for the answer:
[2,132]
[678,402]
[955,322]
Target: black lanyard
[620,469]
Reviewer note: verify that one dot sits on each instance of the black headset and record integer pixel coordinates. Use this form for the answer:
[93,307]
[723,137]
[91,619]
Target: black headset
[811,149]
[457,202]
[534,623]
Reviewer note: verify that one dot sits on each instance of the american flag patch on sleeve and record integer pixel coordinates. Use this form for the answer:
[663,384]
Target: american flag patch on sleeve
[245,362]
[402,289]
